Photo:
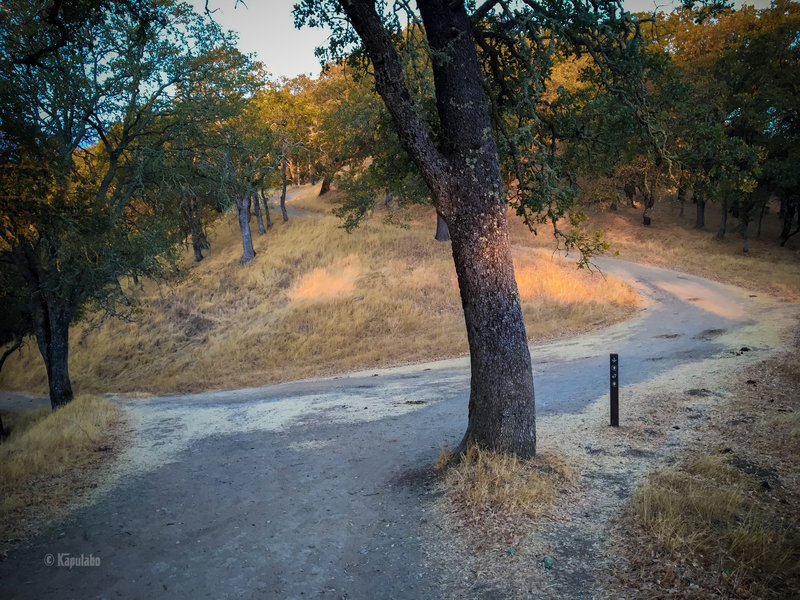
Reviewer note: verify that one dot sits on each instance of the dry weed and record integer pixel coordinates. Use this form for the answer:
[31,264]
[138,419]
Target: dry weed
[44,458]
[673,242]
[726,522]
[715,519]
[484,483]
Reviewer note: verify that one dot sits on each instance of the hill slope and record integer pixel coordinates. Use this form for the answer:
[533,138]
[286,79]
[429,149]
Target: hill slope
[316,300]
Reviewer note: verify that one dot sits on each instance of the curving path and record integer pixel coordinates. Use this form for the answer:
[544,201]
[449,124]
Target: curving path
[318,489]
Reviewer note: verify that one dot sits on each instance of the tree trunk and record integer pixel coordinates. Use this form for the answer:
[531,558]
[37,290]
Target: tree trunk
[51,326]
[761,214]
[629,189]
[464,178]
[283,189]
[442,233]
[199,241]
[51,315]
[700,221]
[257,210]
[681,199]
[745,245]
[501,402]
[649,198]
[326,184]
[248,253]
[57,365]
[789,212]
[265,205]
[198,249]
[723,222]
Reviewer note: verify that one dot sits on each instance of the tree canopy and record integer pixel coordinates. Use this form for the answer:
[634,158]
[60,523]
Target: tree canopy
[88,108]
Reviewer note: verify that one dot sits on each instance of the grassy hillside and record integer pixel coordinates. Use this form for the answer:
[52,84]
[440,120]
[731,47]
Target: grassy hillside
[315,301]
[672,241]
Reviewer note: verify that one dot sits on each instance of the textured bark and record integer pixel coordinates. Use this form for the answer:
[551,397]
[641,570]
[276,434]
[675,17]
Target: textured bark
[51,326]
[700,220]
[283,189]
[326,184]
[199,241]
[56,359]
[257,210]
[51,315]
[198,250]
[501,402]
[723,222]
[464,177]
[265,205]
[248,253]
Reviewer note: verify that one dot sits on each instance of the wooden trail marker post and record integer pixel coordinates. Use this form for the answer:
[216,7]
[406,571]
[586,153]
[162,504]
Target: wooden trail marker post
[614,381]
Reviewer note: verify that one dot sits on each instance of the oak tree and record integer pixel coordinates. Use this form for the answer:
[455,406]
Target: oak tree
[457,157]
[87,96]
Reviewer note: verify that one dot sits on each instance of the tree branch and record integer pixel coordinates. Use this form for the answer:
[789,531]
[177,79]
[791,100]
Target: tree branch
[390,84]
[483,10]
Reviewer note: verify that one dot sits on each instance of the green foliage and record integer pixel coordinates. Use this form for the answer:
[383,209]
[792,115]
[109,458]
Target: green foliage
[91,127]
[15,319]
[519,45]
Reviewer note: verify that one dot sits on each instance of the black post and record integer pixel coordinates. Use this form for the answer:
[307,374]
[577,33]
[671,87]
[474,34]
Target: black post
[614,390]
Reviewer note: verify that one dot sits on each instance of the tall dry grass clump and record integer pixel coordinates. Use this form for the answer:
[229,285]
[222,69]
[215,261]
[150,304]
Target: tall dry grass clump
[43,446]
[713,512]
[315,301]
[486,481]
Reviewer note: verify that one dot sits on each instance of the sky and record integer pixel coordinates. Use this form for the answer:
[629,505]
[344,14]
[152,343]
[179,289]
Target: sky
[266,28]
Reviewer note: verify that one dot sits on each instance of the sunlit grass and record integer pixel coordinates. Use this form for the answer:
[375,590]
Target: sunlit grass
[673,242]
[316,300]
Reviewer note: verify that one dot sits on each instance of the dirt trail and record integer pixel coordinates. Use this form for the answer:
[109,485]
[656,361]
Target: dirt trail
[321,488]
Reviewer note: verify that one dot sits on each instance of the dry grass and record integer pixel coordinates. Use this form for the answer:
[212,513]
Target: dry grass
[485,482]
[44,458]
[315,301]
[720,518]
[491,506]
[673,242]
[725,522]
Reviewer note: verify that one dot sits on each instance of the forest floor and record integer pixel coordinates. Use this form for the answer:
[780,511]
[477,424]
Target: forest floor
[327,488]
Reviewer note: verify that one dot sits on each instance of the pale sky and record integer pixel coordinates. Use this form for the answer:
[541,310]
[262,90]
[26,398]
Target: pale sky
[266,28]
